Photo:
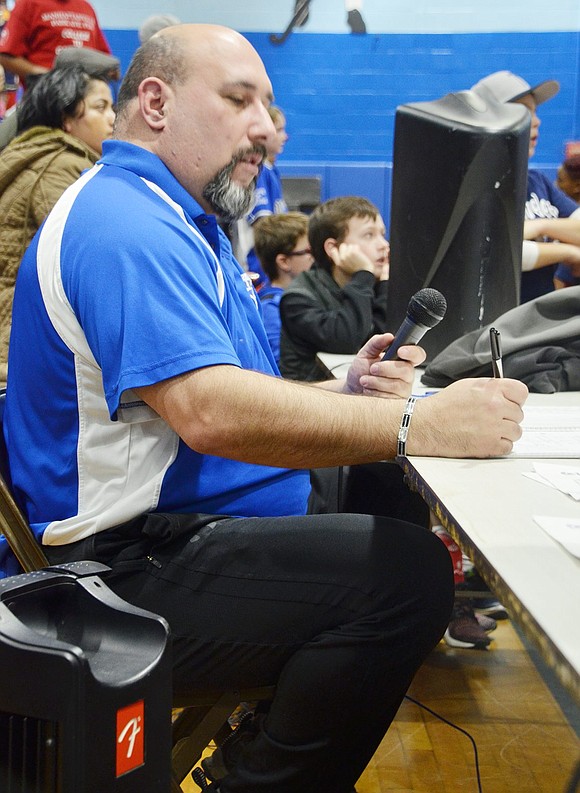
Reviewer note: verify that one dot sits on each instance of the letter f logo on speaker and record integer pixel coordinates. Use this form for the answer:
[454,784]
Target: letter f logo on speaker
[130,734]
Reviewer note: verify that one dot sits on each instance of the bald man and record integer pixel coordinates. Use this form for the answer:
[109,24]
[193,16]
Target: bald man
[164,443]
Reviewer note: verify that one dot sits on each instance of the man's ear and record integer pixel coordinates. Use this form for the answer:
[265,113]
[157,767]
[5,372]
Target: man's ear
[153,96]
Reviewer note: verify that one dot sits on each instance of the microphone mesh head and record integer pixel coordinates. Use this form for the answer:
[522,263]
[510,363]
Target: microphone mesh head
[427,307]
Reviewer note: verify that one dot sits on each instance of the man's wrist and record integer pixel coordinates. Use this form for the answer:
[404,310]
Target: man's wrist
[405,426]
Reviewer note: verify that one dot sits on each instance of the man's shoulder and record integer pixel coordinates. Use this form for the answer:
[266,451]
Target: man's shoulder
[113,199]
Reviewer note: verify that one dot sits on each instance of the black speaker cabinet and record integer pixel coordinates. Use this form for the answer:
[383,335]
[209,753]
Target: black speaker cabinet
[85,687]
[457,210]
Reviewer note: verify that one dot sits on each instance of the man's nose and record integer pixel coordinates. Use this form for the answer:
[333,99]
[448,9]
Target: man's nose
[262,126]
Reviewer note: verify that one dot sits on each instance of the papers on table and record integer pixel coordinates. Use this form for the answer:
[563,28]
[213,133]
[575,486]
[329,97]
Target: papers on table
[566,531]
[549,432]
[565,478]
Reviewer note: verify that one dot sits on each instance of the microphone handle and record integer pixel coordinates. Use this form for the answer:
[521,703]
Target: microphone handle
[410,332]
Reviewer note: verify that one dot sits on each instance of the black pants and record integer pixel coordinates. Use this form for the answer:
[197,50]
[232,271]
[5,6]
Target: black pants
[372,489]
[338,610]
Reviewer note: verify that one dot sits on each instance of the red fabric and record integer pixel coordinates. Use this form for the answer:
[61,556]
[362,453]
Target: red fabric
[38,29]
[10,98]
[455,552]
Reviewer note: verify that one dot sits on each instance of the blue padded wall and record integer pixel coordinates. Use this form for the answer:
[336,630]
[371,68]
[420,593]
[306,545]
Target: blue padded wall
[340,93]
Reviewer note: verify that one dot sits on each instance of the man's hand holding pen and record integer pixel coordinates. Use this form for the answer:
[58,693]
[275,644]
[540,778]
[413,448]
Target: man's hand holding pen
[487,413]
[496,359]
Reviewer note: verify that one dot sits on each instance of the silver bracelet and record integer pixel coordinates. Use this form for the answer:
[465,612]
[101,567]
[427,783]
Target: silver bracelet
[404,427]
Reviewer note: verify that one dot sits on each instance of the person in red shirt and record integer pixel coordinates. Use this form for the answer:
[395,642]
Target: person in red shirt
[38,30]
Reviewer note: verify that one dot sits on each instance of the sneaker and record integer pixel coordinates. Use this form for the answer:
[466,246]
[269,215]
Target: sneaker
[464,630]
[487,623]
[485,602]
[490,607]
[467,564]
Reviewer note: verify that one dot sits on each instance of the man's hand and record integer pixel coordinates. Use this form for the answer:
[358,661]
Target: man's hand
[370,376]
[470,418]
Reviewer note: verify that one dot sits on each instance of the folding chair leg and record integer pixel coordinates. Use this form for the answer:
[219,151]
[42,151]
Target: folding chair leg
[188,750]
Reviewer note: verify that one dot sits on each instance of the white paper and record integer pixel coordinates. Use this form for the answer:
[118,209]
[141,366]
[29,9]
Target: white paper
[566,531]
[549,432]
[565,478]
[538,478]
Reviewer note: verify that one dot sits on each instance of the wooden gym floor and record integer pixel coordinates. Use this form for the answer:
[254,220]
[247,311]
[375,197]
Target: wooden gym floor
[525,743]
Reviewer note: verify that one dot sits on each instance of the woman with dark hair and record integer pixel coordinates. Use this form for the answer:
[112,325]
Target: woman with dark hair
[62,122]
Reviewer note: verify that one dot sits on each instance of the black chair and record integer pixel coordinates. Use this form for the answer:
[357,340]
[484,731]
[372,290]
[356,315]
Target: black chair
[198,720]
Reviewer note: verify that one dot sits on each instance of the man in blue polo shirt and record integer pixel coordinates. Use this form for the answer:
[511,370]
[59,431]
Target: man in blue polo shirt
[148,428]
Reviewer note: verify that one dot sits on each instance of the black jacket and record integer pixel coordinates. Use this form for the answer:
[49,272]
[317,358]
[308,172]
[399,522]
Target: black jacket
[318,316]
[541,346]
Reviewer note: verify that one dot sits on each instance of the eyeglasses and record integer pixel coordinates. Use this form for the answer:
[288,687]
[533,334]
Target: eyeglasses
[303,252]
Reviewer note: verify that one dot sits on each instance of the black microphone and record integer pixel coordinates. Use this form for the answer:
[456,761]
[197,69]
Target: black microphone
[426,309]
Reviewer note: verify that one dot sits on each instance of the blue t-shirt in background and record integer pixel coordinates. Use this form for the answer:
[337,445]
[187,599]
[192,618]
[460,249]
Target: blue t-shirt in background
[268,200]
[270,297]
[544,200]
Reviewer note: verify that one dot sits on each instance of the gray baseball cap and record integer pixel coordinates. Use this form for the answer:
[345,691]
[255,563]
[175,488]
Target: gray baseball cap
[91,60]
[507,87]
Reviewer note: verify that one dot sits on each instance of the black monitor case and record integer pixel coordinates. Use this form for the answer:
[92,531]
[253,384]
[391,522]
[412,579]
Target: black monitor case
[457,210]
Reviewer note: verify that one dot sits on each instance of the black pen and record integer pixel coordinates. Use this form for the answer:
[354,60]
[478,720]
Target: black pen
[495,343]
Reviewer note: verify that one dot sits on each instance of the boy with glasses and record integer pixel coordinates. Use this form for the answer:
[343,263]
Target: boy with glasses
[281,244]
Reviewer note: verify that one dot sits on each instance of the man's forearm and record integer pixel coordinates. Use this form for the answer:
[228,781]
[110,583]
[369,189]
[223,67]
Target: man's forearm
[21,66]
[248,416]
[229,412]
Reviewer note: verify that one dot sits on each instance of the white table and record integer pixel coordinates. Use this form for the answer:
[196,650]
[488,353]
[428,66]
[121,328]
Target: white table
[333,364]
[488,506]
